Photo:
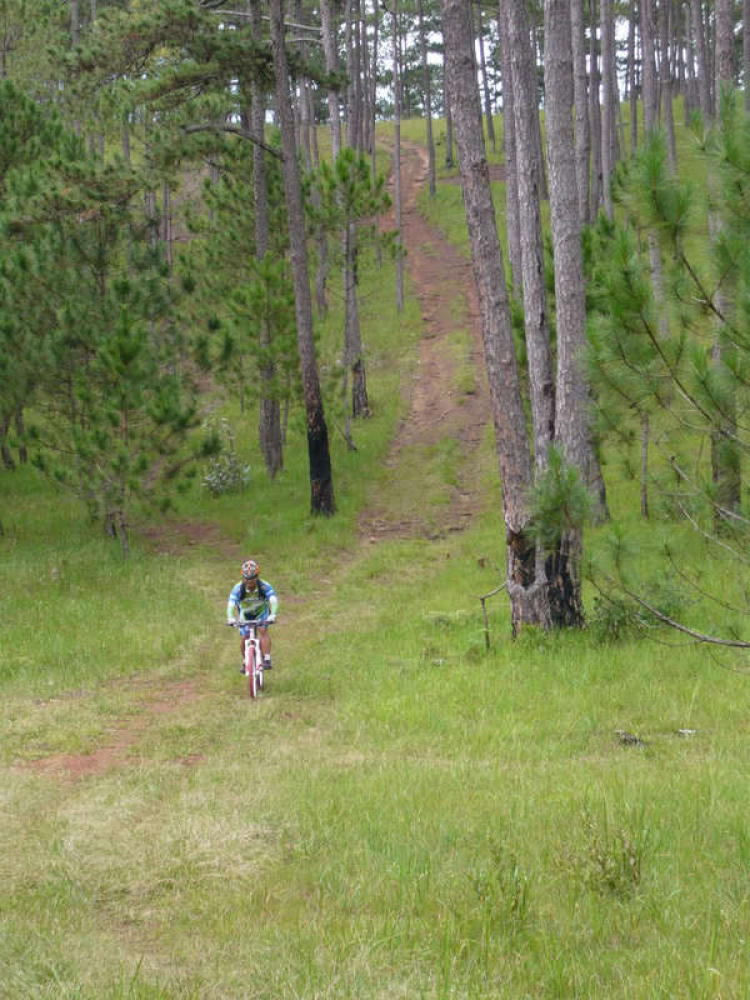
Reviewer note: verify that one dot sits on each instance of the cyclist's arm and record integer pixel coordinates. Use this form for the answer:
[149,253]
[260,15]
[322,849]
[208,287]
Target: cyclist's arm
[271,599]
[233,605]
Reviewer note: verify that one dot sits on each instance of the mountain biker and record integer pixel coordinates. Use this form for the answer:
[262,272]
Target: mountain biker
[253,599]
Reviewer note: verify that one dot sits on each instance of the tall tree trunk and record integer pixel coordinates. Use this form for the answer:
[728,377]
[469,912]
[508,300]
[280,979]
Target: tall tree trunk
[526,579]
[485,82]
[512,209]
[321,480]
[269,417]
[427,101]
[581,98]
[746,51]
[571,393]
[397,155]
[541,383]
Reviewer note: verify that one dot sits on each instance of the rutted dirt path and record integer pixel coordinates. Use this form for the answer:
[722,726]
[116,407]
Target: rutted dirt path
[439,410]
[439,407]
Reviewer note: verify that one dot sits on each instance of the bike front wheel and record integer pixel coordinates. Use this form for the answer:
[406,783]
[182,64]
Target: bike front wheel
[252,673]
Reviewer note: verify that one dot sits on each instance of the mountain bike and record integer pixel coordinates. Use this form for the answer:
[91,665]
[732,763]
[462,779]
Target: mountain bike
[254,658]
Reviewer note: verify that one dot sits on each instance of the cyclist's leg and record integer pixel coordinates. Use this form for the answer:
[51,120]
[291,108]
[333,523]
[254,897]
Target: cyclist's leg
[265,642]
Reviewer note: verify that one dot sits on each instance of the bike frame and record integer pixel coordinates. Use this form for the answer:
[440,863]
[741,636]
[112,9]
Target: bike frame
[254,659]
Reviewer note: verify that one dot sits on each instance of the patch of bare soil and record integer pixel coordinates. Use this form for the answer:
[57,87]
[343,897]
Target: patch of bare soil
[444,283]
[172,537]
[161,700]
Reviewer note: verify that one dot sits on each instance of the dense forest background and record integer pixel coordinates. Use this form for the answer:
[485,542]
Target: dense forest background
[197,178]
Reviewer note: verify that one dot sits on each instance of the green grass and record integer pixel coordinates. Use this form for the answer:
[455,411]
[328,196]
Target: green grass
[404,814]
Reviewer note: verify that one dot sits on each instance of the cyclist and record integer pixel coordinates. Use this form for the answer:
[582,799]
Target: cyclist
[253,599]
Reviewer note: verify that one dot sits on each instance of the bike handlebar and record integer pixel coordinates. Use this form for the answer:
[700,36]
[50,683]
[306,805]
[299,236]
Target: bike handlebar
[253,621]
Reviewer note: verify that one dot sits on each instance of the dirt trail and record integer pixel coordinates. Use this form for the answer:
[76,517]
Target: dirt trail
[439,408]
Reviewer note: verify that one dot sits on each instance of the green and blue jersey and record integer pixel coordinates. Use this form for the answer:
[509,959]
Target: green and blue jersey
[253,603]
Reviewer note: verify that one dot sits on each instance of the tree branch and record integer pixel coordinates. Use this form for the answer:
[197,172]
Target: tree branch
[235,130]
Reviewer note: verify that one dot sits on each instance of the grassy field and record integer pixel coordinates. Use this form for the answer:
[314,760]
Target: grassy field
[404,814]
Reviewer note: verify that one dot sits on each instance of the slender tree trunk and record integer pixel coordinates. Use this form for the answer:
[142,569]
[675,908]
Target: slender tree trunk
[596,117]
[725,456]
[332,67]
[485,82]
[645,433]
[397,155]
[448,121]
[367,136]
[427,101]
[608,111]
[353,358]
[581,98]
[536,318]
[666,83]
[701,51]
[571,394]
[269,419]
[526,579]
[374,82]
[632,91]
[321,479]
[512,209]
[5,453]
[746,51]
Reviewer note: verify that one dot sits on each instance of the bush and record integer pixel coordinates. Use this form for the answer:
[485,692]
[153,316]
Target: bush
[226,472]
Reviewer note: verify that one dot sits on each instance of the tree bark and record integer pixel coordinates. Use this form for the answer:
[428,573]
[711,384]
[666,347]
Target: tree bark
[321,480]
[541,382]
[526,580]
[746,50]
